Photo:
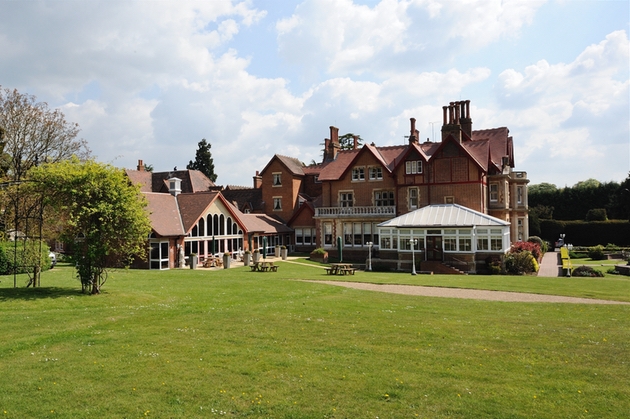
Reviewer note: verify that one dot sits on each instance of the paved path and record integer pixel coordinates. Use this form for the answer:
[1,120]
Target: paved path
[468,293]
[550,265]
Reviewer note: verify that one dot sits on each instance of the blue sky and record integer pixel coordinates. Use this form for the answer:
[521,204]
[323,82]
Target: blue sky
[149,79]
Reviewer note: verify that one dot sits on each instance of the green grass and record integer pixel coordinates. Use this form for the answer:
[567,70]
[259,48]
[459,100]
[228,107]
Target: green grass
[236,343]
[600,265]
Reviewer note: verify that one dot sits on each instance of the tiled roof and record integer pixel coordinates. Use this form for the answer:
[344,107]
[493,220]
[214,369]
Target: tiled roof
[444,215]
[164,214]
[291,163]
[192,180]
[500,144]
[265,224]
[193,205]
[245,197]
[334,169]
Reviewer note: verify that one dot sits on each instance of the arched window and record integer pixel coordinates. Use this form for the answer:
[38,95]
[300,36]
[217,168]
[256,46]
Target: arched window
[215,221]
[234,228]
[202,227]
[229,226]
[222,225]
[194,232]
[209,223]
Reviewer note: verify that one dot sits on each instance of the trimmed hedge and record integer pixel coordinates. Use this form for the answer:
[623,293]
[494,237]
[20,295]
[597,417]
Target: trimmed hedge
[587,233]
[26,257]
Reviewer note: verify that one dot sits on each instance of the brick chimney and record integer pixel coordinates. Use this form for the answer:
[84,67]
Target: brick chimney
[413,133]
[453,116]
[257,180]
[331,146]
[355,143]
[140,166]
[466,120]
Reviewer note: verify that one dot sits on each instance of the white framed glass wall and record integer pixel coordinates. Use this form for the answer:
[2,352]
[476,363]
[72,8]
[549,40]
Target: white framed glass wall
[214,234]
[158,255]
[454,240]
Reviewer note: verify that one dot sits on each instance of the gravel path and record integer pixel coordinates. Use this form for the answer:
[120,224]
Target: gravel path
[468,293]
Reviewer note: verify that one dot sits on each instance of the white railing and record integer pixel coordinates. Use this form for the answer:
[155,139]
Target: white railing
[355,211]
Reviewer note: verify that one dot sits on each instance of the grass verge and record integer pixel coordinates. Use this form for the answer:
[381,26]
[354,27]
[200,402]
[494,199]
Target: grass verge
[236,343]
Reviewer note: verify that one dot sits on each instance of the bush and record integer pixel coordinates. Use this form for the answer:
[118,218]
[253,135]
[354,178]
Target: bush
[542,244]
[521,263]
[320,251]
[596,214]
[586,271]
[530,247]
[25,258]
[596,252]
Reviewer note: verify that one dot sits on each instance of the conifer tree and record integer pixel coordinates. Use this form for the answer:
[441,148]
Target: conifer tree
[203,160]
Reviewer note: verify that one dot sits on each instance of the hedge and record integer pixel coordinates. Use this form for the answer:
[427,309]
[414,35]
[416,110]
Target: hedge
[587,233]
[25,259]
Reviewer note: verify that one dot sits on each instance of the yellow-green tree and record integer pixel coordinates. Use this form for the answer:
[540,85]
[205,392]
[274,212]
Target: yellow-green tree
[105,217]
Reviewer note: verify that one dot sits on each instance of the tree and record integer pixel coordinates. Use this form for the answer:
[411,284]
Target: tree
[34,133]
[203,160]
[104,215]
[346,141]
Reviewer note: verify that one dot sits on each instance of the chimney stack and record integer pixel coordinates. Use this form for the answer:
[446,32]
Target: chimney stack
[257,180]
[456,119]
[355,144]
[334,143]
[413,134]
[140,166]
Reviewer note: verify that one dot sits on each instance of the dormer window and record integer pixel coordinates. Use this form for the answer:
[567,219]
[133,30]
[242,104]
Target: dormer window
[174,186]
[413,167]
[277,179]
[358,173]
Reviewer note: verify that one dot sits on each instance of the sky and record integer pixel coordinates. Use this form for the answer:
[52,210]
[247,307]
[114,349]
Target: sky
[147,80]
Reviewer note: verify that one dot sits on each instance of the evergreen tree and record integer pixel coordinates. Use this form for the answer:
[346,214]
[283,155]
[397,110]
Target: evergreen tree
[203,160]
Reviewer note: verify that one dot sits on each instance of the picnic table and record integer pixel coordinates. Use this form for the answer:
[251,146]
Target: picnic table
[340,269]
[264,267]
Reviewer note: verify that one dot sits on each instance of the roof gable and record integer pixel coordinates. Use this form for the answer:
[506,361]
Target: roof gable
[293,165]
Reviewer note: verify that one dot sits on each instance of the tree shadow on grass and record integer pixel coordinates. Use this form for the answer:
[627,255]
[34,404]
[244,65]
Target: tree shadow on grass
[26,294]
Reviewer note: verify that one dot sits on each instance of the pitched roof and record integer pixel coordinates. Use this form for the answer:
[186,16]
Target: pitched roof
[164,214]
[500,144]
[193,205]
[292,164]
[265,224]
[244,197]
[444,215]
[192,180]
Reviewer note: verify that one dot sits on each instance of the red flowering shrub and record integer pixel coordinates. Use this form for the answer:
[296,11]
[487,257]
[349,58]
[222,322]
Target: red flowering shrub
[533,248]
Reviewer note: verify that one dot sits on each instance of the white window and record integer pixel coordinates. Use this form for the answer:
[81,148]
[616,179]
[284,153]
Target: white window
[413,198]
[494,192]
[358,173]
[413,167]
[482,243]
[496,243]
[519,194]
[347,234]
[384,198]
[277,179]
[277,203]
[376,173]
[327,227]
[346,199]
[465,244]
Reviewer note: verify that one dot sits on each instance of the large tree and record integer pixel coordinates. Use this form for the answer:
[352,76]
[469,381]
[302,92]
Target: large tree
[104,215]
[203,160]
[34,133]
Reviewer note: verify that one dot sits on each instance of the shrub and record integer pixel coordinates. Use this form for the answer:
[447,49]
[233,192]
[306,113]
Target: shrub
[320,251]
[596,214]
[520,263]
[596,252]
[542,244]
[25,258]
[530,247]
[586,271]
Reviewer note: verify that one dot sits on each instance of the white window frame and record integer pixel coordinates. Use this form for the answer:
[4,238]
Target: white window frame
[413,167]
[375,173]
[358,174]
[277,203]
[411,198]
[277,179]
[344,202]
[494,192]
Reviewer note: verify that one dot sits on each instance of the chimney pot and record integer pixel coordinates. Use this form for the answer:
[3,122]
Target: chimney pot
[140,166]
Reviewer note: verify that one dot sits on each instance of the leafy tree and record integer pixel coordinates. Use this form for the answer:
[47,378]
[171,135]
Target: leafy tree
[346,141]
[104,215]
[203,160]
[34,133]
[148,167]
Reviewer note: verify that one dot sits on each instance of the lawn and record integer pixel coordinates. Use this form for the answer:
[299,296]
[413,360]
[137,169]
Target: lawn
[236,343]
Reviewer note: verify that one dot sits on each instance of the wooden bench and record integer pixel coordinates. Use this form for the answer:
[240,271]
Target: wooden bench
[273,268]
[347,271]
[329,271]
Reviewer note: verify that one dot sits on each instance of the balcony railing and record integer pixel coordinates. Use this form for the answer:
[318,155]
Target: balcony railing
[355,211]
